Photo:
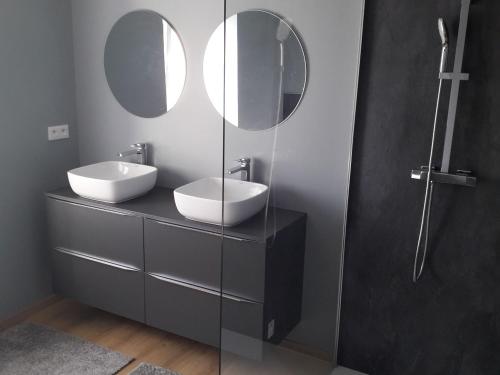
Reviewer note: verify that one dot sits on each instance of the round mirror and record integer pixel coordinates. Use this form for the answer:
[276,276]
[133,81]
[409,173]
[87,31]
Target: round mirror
[145,64]
[265,70]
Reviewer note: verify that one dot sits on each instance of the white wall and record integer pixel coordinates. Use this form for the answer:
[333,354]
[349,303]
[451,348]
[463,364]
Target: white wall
[36,91]
[313,148]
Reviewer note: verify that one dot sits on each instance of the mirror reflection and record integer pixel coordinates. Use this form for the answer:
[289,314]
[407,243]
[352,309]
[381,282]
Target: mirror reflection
[145,64]
[265,70]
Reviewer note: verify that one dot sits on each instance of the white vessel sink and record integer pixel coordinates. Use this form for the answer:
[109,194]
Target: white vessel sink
[112,181]
[202,200]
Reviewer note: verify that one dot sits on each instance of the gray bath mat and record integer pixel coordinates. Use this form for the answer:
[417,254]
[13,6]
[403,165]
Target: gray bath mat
[30,349]
[147,369]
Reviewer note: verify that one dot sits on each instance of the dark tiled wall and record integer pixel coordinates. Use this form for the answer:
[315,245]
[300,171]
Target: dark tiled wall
[449,323]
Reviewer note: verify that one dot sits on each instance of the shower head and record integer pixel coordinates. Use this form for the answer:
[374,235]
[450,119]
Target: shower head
[443,32]
[283,32]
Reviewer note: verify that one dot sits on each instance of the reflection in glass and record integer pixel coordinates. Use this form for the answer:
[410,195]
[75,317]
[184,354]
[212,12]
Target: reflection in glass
[265,70]
[145,64]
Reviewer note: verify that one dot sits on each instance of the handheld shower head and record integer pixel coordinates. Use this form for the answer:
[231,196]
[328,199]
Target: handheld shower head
[443,32]
[283,32]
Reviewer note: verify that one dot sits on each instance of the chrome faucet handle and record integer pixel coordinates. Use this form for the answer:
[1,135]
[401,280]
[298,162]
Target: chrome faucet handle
[139,146]
[243,161]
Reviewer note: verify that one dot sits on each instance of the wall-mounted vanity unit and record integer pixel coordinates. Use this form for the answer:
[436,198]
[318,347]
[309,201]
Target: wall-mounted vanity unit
[142,260]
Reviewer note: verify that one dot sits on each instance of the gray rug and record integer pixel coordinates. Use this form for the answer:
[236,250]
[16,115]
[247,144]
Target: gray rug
[147,369]
[30,349]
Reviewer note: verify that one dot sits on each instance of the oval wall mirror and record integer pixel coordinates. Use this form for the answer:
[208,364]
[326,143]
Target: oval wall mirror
[145,64]
[266,70]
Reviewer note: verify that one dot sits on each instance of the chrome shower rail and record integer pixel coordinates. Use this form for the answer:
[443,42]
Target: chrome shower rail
[428,173]
[460,177]
[455,85]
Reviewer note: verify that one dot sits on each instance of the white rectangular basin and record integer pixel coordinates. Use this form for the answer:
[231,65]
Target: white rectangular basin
[202,200]
[112,181]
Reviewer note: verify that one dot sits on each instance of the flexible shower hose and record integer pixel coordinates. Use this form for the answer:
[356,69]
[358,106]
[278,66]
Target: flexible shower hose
[427,209]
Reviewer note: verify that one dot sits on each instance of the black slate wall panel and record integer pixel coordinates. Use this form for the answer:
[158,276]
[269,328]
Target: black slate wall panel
[449,323]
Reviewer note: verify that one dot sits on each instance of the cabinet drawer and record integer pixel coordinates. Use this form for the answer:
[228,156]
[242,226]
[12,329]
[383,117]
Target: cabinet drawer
[182,254]
[193,312]
[182,309]
[94,231]
[112,287]
[242,317]
[244,268]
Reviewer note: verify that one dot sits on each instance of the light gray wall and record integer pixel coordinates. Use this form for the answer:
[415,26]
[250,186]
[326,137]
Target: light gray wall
[312,154]
[187,141]
[36,90]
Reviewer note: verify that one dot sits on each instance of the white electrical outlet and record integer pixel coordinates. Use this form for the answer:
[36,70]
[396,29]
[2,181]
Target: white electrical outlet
[58,132]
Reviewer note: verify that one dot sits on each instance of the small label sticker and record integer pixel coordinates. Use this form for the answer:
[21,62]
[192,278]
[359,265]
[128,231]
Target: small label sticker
[270,329]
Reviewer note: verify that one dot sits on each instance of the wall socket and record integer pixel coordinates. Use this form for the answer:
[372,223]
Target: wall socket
[58,132]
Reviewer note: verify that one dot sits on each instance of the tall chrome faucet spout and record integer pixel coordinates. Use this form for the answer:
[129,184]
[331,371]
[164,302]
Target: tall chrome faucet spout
[139,149]
[243,167]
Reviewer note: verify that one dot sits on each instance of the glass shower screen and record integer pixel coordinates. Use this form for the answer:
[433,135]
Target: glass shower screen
[288,102]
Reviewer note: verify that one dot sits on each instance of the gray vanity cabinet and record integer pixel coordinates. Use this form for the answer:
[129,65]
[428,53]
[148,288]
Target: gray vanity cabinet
[183,254]
[104,233]
[244,268]
[141,259]
[182,268]
[261,289]
[97,257]
[183,285]
[105,285]
[194,256]
[244,317]
[183,309]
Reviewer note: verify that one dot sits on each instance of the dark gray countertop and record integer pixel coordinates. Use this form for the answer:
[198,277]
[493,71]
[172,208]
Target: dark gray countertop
[159,205]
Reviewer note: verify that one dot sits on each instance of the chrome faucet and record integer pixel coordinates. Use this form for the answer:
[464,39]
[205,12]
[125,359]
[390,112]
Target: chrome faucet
[243,167]
[139,149]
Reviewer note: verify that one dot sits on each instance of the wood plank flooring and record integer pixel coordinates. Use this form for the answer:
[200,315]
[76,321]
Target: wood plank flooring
[133,339]
[159,348]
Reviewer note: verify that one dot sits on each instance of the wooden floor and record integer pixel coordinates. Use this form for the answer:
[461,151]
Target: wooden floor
[133,339]
[146,344]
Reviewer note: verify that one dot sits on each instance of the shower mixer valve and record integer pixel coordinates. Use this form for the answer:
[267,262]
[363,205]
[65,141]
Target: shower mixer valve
[460,177]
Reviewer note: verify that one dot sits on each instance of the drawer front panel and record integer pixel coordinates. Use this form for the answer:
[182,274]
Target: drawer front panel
[182,309]
[244,269]
[242,317]
[113,288]
[102,233]
[183,254]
